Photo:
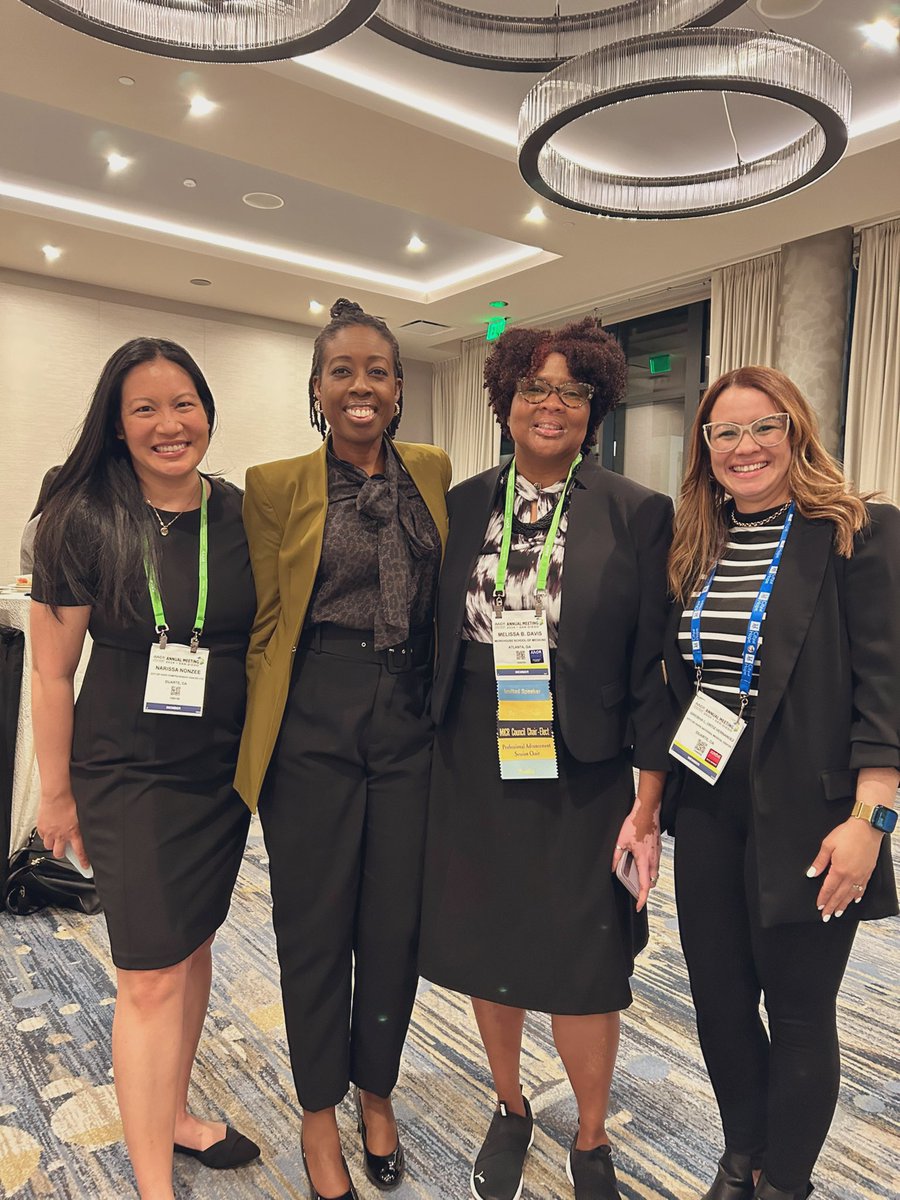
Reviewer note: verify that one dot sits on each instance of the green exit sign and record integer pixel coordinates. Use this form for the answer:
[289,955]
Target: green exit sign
[495,328]
[660,364]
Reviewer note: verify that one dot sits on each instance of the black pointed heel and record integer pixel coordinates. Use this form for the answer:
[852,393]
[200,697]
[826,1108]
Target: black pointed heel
[314,1194]
[384,1170]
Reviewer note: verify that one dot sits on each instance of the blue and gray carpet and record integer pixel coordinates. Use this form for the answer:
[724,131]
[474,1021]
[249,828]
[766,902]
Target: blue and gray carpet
[60,1135]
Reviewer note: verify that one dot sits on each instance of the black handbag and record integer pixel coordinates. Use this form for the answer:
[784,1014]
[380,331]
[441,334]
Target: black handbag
[37,880]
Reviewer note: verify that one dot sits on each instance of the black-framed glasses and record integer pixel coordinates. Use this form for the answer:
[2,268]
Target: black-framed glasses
[572,394]
[722,436]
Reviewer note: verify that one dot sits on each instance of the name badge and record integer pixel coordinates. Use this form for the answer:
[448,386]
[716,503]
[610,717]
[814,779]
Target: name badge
[706,737]
[524,704]
[176,681]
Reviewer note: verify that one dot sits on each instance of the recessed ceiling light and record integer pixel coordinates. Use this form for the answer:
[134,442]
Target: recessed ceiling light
[117,162]
[263,200]
[51,253]
[189,183]
[315,307]
[882,33]
[126,81]
[202,282]
[201,107]
[415,244]
[498,303]
[535,215]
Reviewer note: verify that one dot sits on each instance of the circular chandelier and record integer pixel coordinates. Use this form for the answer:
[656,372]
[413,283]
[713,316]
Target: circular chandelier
[501,42]
[222,31]
[722,60]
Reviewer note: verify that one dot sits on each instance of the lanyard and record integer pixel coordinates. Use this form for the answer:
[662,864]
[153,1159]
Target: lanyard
[203,584]
[754,625]
[544,561]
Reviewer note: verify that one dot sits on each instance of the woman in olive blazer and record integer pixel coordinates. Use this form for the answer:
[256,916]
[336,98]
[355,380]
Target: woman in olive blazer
[346,545]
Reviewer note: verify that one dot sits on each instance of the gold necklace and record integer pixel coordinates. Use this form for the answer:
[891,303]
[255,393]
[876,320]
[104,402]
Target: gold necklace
[164,526]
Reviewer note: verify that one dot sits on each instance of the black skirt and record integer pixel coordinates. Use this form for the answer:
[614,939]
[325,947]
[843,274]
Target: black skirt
[520,904]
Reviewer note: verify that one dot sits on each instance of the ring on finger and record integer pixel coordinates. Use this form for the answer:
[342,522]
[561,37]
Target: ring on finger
[857,887]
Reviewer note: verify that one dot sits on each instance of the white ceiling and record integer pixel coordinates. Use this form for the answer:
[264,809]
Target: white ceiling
[363,168]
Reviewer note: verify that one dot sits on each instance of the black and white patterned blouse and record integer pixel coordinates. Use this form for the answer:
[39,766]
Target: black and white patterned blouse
[524,554]
[723,623]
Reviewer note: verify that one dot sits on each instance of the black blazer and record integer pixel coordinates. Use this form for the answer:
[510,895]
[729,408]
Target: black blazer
[609,686]
[829,703]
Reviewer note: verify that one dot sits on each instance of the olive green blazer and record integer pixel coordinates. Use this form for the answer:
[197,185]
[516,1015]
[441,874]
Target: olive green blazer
[284,514]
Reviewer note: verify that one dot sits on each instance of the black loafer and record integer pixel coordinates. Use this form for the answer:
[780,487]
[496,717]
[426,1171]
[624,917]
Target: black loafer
[316,1195]
[499,1168]
[234,1150]
[384,1170]
[591,1173]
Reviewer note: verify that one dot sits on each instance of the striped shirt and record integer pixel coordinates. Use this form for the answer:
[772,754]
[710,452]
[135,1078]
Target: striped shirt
[723,622]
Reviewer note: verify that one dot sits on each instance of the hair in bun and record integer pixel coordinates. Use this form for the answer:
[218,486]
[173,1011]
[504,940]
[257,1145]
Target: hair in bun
[344,314]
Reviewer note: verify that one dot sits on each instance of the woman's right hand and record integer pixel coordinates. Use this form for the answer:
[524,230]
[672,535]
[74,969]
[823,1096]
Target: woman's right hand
[57,824]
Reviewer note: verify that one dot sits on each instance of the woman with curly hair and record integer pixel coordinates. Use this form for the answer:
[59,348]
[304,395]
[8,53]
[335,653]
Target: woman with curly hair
[346,545]
[792,833]
[522,908]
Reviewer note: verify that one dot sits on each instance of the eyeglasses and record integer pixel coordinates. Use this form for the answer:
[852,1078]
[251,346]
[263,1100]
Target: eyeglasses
[722,436]
[573,395]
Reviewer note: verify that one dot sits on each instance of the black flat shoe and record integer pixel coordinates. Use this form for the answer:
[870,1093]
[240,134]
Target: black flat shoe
[234,1150]
[734,1178]
[591,1173]
[498,1173]
[315,1195]
[384,1170]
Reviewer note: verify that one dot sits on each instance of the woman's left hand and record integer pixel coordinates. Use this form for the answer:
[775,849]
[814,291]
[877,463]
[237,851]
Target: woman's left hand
[640,834]
[847,856]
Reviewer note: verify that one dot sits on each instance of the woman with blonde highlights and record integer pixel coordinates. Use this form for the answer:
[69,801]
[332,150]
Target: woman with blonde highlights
[786,632]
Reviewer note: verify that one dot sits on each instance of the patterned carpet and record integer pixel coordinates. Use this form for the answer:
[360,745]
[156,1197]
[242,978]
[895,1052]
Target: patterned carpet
[60,1135]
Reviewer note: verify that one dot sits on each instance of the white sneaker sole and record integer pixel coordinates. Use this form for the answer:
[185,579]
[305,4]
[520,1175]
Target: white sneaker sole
[518,1192]
[569,1174]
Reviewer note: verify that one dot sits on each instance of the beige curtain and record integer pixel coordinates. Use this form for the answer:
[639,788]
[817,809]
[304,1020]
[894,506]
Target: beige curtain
[463,424]
[743,315]
[872,445]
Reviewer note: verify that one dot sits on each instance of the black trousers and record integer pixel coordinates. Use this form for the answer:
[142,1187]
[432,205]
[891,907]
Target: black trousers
[777,1092]
[343,812]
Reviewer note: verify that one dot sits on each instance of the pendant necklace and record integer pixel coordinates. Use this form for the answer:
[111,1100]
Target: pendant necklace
[164,526]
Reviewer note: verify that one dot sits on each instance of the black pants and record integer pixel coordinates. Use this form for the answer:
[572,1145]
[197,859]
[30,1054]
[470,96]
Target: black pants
[777,1092]
[343,813]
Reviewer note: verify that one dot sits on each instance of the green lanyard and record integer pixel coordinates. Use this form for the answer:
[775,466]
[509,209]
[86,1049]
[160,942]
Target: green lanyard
[544,561]
[203,575]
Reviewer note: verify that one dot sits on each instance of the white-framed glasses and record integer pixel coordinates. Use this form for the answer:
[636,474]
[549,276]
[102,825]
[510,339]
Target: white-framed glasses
[572,394]
[722,436]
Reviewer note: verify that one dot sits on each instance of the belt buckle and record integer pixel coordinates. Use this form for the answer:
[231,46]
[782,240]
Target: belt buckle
[398,659]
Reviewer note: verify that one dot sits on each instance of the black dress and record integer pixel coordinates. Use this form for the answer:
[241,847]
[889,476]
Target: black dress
[162,825]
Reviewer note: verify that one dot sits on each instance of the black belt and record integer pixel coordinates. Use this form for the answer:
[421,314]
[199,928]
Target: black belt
[359,644]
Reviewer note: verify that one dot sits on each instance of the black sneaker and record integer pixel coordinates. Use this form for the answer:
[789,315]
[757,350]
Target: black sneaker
[592,1174]
[497,1174]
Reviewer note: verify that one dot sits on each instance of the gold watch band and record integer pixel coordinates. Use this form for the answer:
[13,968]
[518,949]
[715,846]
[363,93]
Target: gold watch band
[863,811]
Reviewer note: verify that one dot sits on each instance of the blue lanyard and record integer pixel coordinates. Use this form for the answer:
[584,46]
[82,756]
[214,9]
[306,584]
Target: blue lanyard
[754,625]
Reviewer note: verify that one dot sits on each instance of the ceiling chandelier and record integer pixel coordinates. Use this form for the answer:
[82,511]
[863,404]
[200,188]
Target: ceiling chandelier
[724,60]
[223,31]
[502,42]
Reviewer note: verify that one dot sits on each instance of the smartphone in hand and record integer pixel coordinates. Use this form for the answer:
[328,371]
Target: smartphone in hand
[73,859]
[627,874]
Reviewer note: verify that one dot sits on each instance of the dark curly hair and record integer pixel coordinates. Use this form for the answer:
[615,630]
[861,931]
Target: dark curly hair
[345,313]
[593,356]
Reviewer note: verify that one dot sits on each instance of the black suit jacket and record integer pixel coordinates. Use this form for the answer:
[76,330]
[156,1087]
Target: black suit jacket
[829,703]
[609,686]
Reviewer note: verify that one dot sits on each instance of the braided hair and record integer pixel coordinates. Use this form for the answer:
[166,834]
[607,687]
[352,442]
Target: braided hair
[344,314]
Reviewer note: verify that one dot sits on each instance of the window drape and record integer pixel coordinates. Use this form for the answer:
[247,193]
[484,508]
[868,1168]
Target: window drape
[872,440]
[463,424]
[743,315]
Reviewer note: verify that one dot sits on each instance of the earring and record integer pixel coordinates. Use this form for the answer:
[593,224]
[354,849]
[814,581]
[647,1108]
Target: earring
[397,409]
[317,406]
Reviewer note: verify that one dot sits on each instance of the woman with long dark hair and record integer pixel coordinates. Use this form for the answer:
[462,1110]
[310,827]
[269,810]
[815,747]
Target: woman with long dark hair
[140,548]
[783,653]
[346,544]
